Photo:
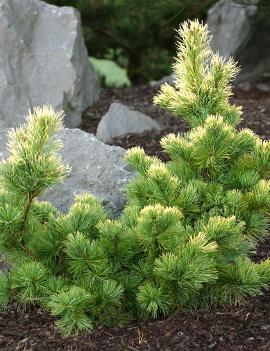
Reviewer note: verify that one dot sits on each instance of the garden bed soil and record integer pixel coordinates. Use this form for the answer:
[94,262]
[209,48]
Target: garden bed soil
[243,328]
[228,329]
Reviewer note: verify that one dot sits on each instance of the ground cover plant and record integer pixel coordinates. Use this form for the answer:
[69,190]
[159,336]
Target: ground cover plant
[186,234]
[110,74]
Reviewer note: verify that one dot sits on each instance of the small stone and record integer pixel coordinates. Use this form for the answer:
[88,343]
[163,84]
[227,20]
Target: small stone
[265,327]
[263,87]
[245,86]
[251,338]
[121,120]
[4,266]
[170,79]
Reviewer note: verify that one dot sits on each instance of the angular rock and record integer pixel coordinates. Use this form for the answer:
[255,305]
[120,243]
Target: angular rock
[96,168]
[121,120]
[247,2]
[245,86]
[4,265]
[43,60]
[229,23]
[238,32]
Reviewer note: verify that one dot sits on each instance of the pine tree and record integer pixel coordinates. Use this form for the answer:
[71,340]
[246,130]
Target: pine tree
[32,166]
[189,228]
[217,181]
[58,259]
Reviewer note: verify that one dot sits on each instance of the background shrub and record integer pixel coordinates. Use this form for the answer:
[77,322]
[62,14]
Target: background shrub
[137,34]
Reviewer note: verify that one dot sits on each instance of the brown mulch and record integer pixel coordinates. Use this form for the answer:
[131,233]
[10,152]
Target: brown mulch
[231,329]
[242,328]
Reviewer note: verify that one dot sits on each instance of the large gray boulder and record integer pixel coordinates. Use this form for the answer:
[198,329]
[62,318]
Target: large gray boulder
[121,120]
[229,22]
[43,60]
[238,31]
[96,168]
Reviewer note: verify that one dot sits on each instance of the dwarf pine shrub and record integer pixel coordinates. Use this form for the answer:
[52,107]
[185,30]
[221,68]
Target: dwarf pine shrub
[189,228]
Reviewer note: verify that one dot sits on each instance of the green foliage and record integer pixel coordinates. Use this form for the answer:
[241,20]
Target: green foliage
[152,299]
[29,282]
[202,85]
[189,228]
[33,152]
[71,306]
